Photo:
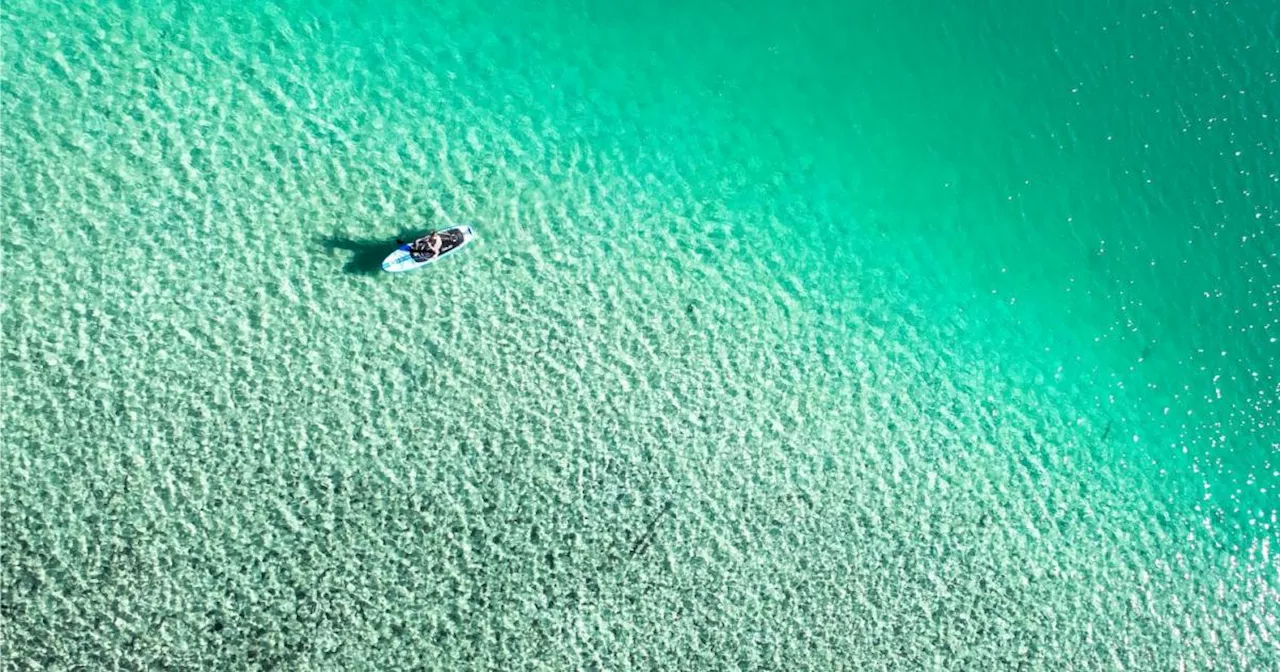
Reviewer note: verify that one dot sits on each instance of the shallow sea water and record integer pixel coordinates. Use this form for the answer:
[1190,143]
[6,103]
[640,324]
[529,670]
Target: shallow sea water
[827,337]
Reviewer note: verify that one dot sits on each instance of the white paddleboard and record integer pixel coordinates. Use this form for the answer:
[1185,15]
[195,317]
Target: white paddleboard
[456,238]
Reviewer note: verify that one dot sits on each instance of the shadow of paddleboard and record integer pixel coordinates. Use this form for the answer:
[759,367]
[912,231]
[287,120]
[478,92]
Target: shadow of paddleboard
[366,255]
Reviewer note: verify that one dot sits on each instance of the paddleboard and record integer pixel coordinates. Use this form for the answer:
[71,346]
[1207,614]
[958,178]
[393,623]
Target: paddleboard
[455,238]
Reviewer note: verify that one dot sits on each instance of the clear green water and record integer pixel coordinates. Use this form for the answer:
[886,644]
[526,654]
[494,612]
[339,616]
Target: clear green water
[797,337]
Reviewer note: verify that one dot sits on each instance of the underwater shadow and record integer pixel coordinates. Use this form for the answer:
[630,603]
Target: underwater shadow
[366,255]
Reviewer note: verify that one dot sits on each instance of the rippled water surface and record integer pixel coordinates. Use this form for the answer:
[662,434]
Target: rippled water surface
[825,336]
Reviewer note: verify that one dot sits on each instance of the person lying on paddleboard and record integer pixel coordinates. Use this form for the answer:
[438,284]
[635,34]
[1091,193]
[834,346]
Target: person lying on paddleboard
[427,246]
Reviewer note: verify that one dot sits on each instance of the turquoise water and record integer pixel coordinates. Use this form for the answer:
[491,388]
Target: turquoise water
[796,337]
